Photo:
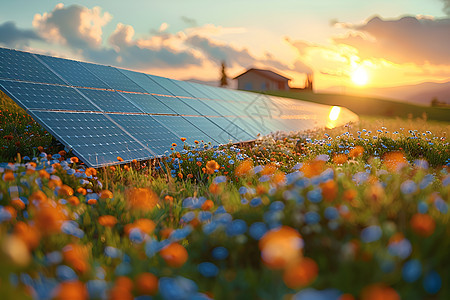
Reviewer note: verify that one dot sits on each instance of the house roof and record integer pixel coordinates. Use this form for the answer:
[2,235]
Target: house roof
[265,73]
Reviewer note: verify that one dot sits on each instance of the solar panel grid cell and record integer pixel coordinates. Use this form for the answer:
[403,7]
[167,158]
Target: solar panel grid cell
[73,72]
[110,101]
[145,82]
[49,97]
[24,66]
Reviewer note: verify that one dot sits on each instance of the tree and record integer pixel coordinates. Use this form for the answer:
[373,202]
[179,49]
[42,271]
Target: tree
[223,76]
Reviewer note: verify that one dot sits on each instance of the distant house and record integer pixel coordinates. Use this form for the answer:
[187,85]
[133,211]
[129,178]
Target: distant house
[262,80]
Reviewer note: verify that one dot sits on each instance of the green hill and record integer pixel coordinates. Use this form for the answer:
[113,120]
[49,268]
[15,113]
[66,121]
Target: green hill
[370,106]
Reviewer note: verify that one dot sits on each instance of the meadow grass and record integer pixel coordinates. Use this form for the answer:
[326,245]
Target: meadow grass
[357,212]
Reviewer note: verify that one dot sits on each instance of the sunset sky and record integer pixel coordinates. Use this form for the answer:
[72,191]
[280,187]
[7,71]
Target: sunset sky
[343,43]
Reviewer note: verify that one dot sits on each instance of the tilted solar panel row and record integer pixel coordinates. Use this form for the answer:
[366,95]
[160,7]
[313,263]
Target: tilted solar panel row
[101,112]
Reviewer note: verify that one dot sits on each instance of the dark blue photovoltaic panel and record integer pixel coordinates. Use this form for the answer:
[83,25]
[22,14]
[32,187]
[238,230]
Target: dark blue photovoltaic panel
[24,66]
[246,126]
[148,103]
[193,89]
[148,131]
[212,129]
[95,138]
[231,128]
[145,81]
[200,106]
[44,96]
[177,105]
[170,85]
[182,128]
[113,77]
[110,101]
[73,72]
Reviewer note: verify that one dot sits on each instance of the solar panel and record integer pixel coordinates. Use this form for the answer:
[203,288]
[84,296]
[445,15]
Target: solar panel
[44,96]
[192,89]
[73,72]
[102,112]
[110,101]
[92,136]
[183,128]
[24,66]
[171,86]
[145,81]
[148,131]
[113,78]
[148,103]
[212,129]
[177,105]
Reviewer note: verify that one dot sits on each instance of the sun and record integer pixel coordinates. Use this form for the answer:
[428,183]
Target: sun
[360,76]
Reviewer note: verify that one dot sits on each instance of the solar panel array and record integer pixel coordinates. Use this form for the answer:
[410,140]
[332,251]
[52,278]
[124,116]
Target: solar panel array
[102,112]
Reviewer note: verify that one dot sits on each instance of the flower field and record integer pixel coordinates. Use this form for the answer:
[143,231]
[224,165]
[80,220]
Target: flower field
[360,212]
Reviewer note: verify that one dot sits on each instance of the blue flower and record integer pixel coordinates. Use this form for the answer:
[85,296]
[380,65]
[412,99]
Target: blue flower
[422,207]
[432,282]
[112,252]
[441,205]
[220,179]
[313,294]
[255,202]
[315,195]
[180,234]
[242,190]
[402,248]
[65,273]
[96,289]
[408,187]
[220,253]
[178,288]
[208,269]
[371,234]
[204,216]
[264,178]
[210,227]
[187,217]
[331,213]
[257,230]
[276,206]
[236,227]
[312,218]
[426,181]
[136,236]
[411,270]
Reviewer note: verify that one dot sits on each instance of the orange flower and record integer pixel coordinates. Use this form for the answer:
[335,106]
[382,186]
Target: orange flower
[38,197]
[394,160]
[82,191]
[107,221]
[119,158]
[356,152]
[379,291]
[215,188]
[73,290]
[196,142]
[280,247]
[312,168]
[92,201]
[199,163]
[261,189]
[73,200]
[77,256]
[18,204]
[54,182]
[8,176]
[269,169]
[44,174]
[165,233]
[145,225]
[74,159]
[147,284]
[340,159]
[207,205]
[174,144]
[141,198]
[329,190]
[423,224]
[49,219]
[124,282]
[40,149]
[180,175]
[346,297]
[168,198]
[278,179]
[112,168]
[29,234]
[350,194]
[244,168]
[90,172]
[126,168]
[183,139]
[174,255]
[301,274]
[62,153]
[211,166]
[106,194]
[65,191]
